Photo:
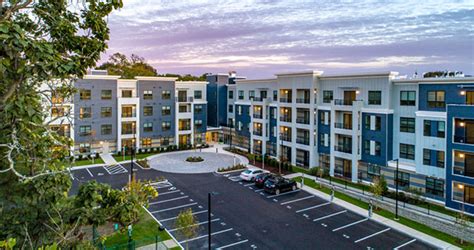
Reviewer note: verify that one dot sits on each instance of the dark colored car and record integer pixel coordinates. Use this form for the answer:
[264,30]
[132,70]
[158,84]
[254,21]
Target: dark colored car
[278,185]
[261,178]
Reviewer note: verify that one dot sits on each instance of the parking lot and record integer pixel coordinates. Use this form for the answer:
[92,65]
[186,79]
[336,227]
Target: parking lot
[245,217]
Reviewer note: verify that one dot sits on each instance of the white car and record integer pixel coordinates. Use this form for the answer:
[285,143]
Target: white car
[250,174]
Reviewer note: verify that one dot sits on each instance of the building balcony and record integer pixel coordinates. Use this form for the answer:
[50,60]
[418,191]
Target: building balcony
[285,118]
[464,139]
[302,140]
[343,125]
[285,138]
[343,149]
[343,102]
[184,99]
[257,133]
[285,99]
[257,116]
[129,115]
[303,100]
[128,131]
[184,128]
[302,120]
[257,99]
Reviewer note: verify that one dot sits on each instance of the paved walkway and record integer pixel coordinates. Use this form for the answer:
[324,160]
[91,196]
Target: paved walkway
[167,244]
[376,217]
[108,159]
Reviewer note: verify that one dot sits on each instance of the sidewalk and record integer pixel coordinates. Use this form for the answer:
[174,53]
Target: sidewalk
[108,159]
[402,228]
[167,244]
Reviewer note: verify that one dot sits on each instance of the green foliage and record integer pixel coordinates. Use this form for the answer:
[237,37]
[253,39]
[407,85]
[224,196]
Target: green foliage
[186,223]
[379,186]
[8,244]
[119,64]
[231,168]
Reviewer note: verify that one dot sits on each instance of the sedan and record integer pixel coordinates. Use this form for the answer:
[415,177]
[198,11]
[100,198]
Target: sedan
[278,185]
[250,174]
[261,178]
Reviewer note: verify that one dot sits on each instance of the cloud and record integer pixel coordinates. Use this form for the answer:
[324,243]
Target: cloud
[260,38]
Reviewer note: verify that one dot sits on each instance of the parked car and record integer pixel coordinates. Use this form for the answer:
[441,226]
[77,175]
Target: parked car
[261,178]
[250,174]
[278,185]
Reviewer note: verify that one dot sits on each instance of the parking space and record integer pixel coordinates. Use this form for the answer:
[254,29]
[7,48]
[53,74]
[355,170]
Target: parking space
[172,200]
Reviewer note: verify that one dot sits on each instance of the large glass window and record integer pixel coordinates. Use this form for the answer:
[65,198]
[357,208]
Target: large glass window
[440,159]
[441,129]
[85,94]
[127,93]
[327,96]
[251,94]
[105,112]
[85,112]
[85,130]
[106,94]
[165,126]
[148,126]
[434,186]
[147,110]
[197,94]
[407,98]
[241,94]
[148,94]
[426,157]
[407,124]
[166,110]
[165,94]
[436,99]
[375,97]
[403,179]
[373,170]
[231,108]
[231,94]
[106,129]
[275,95]
[407,151]
[146,142]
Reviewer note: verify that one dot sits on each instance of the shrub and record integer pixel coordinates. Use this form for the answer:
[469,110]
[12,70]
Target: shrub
[143,163]
[79,157]
[194,159]
[231,168]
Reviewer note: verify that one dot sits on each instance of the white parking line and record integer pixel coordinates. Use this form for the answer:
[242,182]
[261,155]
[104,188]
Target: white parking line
[233,244]
[351,224]
[170,192]
[164,201]
[330,215]
[203,236]
[258,190]
[172,218]
[405,244]
[90,173]
[172,208]
[197,224]
[313,207]
[372,235]
[251,184]
[276,195]
[300,199]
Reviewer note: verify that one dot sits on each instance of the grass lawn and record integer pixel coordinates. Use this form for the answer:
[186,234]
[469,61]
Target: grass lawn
[88,162]
[144,233]
[407,222]
[137,156]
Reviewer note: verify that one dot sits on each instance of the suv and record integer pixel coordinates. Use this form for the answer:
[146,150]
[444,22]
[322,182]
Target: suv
[261,178]
[279,184]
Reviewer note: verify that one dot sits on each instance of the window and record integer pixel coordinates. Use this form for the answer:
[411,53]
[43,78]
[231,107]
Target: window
[378,148]
[106,94]
[197,94]
[165,94]
[148,94]
[407,98]
[231,108]
[275,95]
[373,170]
[84,148]
[375,97]
[127,93]
[241,94]
[85,112]
[85,94]
[146,142]
[165,126]
[440,159]
[85,130]
[367,147]
[106,129]
[322,140]
[403,179]
[198,123]
[436,99]
[148,126]
[470,97]
[426,157]
[441,129]
[231,94]
[327,96]
[105,112]
[377,125]
[147,110]
[197,109]
[263,94]
[239,110]
[57,111]
[434,186]
[251,94]
[166,110]
[407,124]
[407,151]
[427,128]
[439,125]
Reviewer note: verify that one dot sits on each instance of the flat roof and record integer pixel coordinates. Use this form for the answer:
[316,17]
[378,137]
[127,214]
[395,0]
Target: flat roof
[308,72]
[362,74]
[155,78]
[435,80]
[268,80]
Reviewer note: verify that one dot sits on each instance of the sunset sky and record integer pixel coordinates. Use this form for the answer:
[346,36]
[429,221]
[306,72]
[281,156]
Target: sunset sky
[261,38]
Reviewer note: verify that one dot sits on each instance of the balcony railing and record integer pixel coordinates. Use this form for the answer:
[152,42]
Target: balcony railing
[184,99]
[464,139]
[129,114]
[302,100]
[285,138]
[302,140]
[343,102]
[343,125]
[128,131]
[285,99]
[302,120]
[257,99]
[302,162]
[257,116]
[257,133]
[183,128]
[285,118]
[343,149]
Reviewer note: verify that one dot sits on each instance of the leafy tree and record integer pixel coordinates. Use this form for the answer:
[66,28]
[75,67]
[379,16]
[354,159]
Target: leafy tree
[187,224]
[119,64]
[45,46]
[379,187]
[463,221]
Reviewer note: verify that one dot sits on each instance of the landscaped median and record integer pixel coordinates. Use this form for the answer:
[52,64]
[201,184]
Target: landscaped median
[387,214]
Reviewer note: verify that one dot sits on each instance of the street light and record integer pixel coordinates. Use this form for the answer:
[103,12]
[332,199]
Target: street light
[209,217]
[396,191]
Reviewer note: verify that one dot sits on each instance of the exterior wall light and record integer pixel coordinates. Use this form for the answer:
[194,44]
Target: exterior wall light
[462,124]
[463,92]
[357,92]
[461,155]
[461,186]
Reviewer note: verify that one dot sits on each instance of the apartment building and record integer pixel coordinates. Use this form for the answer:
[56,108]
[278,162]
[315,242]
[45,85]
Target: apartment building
[359,126]
[109,114]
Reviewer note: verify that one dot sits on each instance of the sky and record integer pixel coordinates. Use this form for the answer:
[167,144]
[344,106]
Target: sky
[261,38]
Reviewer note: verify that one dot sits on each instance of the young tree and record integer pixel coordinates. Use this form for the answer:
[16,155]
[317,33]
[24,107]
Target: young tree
[187,224]
[379,187]
[463,220]
[320,173]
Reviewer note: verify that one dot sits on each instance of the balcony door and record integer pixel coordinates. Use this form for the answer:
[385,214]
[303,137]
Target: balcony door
[470,132]
[470,97]
[469,165]
[349,96]
[347,120]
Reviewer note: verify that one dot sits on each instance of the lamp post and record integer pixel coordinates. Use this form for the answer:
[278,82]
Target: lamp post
[281,153]
[209,213]
[396,191]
